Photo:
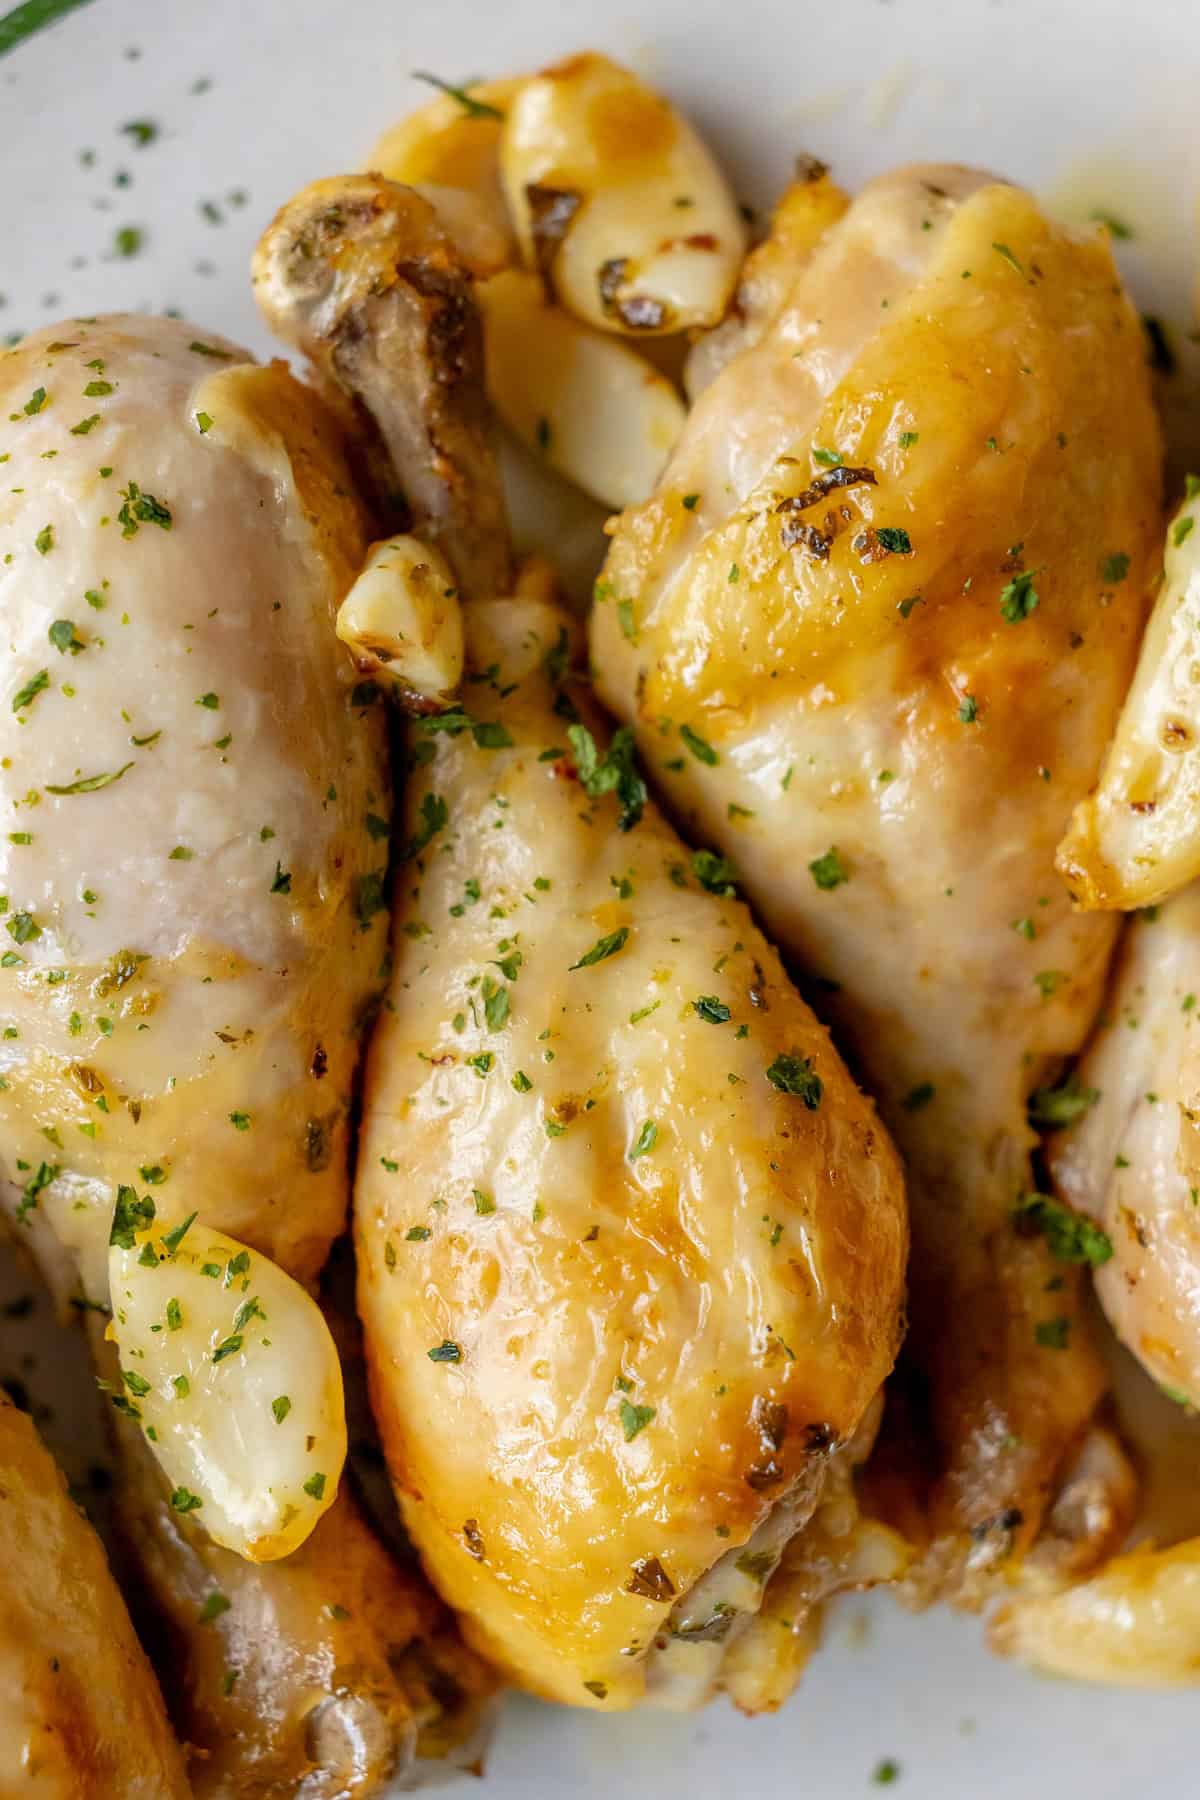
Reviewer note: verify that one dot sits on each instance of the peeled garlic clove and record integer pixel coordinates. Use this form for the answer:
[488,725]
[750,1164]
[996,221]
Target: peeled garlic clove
[1135,1623]
[593,408]
[550,517]
[616,198]
[230,1370]
[447,144]
[1136,840]
[467,218]
[401,619]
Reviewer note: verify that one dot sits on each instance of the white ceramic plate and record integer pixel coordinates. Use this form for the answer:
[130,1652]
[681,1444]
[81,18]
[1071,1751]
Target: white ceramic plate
[1092,103]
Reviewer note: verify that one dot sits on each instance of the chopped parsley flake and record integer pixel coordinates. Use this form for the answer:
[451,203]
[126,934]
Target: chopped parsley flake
[634,1419]
[716,874]
[711,1009]
[445,1352]
[495,1003]
[700,748]
[434,815]
[603,948]
[175,1237]
[1018,597]
[645,1141]
[90,784]
[43,1175]
[62,636]
[828,871]
[615,771]
[474,109]
[22,927]
[1072,1238]
[369,896]
[792,1073]
[1052,1107]
[141,509]
[33,687]
[130,1215]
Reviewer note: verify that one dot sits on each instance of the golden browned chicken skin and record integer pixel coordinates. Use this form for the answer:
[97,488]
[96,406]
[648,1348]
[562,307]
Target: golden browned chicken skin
[81,1717]
[872,633]
[630,1241]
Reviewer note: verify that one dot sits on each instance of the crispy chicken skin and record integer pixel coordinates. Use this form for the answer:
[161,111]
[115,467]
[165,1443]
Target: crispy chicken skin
[196,926]
[81,1717]
[630,1241]
[872,633]
[622,1295]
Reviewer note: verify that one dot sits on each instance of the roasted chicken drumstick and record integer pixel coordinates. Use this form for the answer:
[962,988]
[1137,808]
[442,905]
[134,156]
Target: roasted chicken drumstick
[197,803]
[630,1240]
[872,633]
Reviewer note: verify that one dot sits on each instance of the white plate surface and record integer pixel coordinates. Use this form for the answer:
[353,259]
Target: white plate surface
[1092,103]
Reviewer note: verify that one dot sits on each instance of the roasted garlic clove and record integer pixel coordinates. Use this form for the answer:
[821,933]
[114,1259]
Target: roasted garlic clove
[1136,1623]
[597,411]
[1137,838]
[453,142]
[401,620]
[230,1369]
[618,202]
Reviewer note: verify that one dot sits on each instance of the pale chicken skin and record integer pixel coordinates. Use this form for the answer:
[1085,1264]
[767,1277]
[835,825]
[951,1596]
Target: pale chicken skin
[193,866]
[872,633]
[81,1717]
[630,1241]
